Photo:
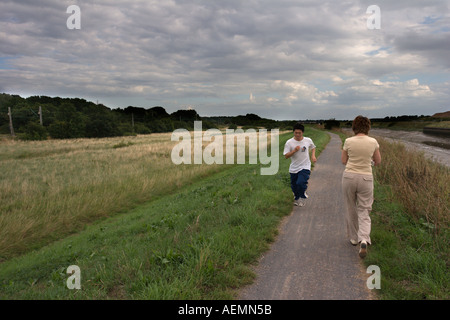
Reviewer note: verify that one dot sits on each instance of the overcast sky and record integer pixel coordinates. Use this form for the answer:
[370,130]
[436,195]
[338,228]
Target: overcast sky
[280,59]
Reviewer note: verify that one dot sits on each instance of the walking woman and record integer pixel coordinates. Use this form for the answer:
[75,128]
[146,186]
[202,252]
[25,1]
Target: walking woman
[359,154]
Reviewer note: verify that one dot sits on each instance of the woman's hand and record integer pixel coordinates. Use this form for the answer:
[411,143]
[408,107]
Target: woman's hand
[377,157]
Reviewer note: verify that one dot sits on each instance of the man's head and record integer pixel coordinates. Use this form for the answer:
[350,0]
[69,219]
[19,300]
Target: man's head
[299,129]
[299,126]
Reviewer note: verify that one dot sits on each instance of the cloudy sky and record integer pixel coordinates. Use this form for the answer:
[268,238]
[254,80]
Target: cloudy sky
[280,59]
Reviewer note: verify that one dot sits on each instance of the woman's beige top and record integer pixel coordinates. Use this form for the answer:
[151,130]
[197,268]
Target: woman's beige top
[360,150]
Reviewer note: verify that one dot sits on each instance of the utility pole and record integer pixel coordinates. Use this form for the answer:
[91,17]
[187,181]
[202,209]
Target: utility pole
[40,115]
[10,122]
[132,121]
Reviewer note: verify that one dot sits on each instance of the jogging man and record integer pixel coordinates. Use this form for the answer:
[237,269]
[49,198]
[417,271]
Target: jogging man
[297,149]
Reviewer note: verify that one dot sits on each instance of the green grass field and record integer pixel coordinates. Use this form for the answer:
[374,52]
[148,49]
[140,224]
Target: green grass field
[197,243]
[413,259]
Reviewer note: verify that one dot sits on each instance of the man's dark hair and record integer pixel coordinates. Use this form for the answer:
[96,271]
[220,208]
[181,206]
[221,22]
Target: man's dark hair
[299,126]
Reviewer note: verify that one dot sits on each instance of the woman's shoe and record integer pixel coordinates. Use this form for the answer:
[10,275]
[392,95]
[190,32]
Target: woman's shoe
[363,249]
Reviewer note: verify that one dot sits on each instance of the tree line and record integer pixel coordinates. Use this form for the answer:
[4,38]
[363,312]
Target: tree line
[67,118]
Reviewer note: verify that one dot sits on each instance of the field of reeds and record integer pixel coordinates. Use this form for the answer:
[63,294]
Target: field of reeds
[411,225]
[420,184]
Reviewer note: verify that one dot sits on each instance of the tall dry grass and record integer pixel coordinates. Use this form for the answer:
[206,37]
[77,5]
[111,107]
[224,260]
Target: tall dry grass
[49,189]
[419,183]
[53,188]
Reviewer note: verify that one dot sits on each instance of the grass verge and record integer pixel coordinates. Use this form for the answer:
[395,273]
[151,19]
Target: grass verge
[413,260]
[199,243]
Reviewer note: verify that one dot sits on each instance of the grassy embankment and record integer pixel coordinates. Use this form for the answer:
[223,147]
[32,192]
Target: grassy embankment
[198,242]
[410,220]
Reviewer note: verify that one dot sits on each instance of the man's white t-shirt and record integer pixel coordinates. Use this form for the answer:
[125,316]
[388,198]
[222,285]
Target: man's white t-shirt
[300,160]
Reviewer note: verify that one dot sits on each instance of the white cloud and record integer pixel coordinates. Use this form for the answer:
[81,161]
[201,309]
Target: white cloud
[393,89]
[299,91]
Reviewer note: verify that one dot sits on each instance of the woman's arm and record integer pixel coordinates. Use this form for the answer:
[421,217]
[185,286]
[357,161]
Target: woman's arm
[377,157]
[344,157]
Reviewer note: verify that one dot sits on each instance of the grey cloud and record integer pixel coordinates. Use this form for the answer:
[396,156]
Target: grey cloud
[435,47]
[214,54]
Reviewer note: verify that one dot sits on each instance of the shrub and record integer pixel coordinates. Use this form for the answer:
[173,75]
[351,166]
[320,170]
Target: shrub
[34,131]
[330,124]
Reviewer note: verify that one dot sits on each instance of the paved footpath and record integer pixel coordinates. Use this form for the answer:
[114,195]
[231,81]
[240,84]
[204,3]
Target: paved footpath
[312,257]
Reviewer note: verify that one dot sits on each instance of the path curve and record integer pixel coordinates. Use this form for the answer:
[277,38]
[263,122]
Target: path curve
[312,259]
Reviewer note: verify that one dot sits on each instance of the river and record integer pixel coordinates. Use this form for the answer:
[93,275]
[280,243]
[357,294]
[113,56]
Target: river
[415,140]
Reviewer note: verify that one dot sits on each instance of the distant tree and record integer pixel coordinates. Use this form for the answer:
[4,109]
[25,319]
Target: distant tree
[60,130]
[157,113]
[140,128]
[138,112]
[34,131]
[185,115]
[332,123]
[102,128]
[252,117]
[163,125]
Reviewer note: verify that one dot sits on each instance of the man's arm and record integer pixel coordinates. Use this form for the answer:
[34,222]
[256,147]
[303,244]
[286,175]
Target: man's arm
[313,155]
[290,154]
